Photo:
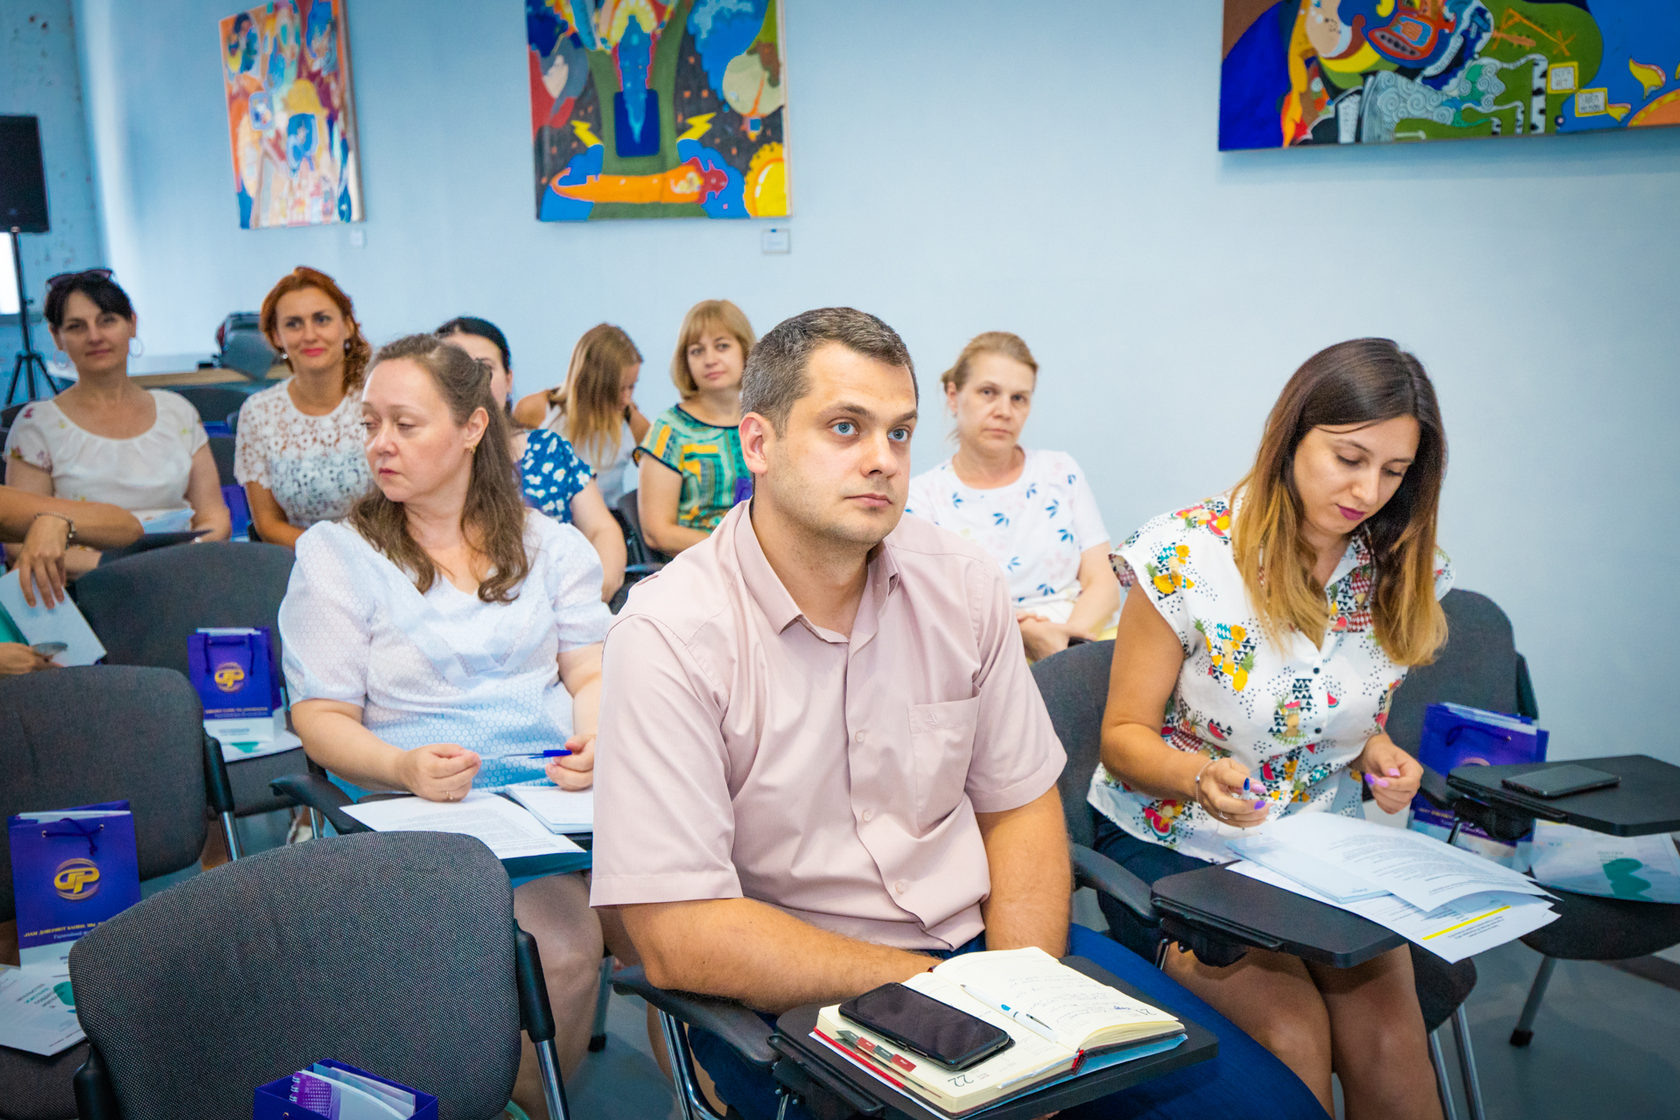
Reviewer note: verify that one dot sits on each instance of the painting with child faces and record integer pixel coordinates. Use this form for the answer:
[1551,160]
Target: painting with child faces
[1300,72]
[286,73]
[643,109]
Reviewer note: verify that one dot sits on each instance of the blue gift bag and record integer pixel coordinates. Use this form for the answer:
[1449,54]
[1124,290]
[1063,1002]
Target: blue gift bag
[71,870]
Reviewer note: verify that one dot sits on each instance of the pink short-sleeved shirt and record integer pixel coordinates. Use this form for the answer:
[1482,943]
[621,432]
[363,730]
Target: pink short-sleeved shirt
[746,752]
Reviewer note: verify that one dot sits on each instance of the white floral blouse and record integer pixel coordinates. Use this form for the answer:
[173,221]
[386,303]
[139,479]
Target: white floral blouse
[315,466]
[1294,714]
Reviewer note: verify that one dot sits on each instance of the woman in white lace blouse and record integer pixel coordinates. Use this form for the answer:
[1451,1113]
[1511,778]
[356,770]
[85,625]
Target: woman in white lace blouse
[299,451]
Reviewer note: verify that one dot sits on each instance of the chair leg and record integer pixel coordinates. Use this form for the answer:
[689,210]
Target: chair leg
[1467,1065]
[554,1092]
[1443,1084]
[1524,1032]
[230,832]
[598,1034]
[689,1095]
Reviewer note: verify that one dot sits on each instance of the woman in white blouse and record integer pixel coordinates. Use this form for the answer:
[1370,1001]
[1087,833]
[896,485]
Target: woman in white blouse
[444,633]
[105,439]
[1272,626]
[298,450]
[1032,510]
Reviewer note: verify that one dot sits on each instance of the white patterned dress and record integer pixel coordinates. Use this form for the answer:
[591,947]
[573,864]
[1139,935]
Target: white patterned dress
[1037,527]
[444,667]
[315,466]
[1294,714]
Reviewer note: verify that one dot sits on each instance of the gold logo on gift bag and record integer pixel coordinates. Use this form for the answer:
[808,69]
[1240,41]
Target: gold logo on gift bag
[229,676]
[76,879]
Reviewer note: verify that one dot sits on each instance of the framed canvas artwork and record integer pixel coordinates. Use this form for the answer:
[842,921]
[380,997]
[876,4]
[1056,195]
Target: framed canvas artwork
[291,119]
[1300,72]
[642,109]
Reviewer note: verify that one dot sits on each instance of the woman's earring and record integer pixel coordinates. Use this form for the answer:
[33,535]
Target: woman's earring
[347,346]
[136,347]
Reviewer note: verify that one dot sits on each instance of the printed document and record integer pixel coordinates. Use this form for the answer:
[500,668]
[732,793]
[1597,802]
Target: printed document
[1455,930]
[59,623]
[37,1013]
[506,829]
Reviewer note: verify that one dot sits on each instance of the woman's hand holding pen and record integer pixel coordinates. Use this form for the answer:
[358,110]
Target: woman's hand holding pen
[1392,774]
[1224,789]
[577,769]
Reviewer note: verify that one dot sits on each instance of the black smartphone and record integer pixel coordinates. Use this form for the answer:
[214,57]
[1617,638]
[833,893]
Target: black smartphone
[1560,781]
[925,1026]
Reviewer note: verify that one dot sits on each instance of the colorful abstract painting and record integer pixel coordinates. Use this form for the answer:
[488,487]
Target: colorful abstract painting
[1302,72]
[642,109]
[291,121]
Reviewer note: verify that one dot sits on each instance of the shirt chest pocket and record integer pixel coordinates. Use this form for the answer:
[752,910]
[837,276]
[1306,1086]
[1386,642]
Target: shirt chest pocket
[942,746]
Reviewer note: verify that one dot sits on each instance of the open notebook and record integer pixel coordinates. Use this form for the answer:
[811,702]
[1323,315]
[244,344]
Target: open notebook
[1059,1017]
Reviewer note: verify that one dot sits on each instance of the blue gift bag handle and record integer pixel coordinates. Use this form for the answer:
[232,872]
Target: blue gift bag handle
[77,828]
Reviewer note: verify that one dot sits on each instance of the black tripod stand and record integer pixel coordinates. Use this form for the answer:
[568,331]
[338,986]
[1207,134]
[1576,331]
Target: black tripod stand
[29,360]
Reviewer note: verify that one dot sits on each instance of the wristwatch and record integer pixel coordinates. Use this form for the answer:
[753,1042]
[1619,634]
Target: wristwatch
[70,536]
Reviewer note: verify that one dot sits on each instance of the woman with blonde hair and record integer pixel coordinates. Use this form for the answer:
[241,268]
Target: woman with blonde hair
[1031,509]
[1272,626]
[555,480]
[595,410]
[298,446]
[690,462]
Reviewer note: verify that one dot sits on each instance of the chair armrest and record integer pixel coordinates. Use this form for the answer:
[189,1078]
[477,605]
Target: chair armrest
[1500,824]
[95,1099]
[313,791]
[736,1024]
[216,785]
[1437,792]
[1095,870]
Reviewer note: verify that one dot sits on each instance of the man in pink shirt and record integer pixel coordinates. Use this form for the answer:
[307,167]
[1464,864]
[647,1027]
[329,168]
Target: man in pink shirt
[823,763]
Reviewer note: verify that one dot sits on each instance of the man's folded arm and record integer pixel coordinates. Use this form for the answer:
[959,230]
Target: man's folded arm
[749,951]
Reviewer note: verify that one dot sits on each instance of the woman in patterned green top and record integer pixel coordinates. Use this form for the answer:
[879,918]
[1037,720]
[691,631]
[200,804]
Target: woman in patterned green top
[691,470]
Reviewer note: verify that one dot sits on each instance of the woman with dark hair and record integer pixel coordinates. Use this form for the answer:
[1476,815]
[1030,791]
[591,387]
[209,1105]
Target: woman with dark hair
[105,439]
[1272,626]
[555,480]
[444,632]
[298,446]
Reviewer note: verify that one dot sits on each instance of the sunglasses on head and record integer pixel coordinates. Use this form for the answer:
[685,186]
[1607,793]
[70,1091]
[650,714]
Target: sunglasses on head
[85,273]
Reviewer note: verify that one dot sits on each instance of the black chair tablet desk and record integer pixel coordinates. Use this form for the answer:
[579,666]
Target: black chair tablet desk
[811,1071]
[1645,802]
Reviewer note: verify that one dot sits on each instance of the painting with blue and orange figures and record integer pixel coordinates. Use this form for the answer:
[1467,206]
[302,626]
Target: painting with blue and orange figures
[291,119]
[643,109]
[1300,72]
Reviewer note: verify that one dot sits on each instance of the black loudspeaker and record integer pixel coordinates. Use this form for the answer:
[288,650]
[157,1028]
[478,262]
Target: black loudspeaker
[23,180]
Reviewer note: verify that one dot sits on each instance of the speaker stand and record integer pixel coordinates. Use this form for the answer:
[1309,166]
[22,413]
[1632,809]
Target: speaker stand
[29,360]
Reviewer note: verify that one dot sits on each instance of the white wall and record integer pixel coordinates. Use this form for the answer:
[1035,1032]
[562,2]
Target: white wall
[39,77]
[1053,171]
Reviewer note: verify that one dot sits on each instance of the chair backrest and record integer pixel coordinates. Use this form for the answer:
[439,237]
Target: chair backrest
[213,402]
[106,733]
[143,607]
[637,550]
[222,450]
[393,952]
[1479,666]
[1074,684]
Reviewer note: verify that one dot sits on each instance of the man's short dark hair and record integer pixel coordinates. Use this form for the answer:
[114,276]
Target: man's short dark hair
[775,373]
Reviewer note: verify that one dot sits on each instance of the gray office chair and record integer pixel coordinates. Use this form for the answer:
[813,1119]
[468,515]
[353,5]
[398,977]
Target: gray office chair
[144,606]
[213,402]
[222,451]
[1481,668]
[397,953]
[1074,684]
[79,736]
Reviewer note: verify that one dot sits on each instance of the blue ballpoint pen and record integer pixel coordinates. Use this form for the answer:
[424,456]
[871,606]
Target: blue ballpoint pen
[552,752]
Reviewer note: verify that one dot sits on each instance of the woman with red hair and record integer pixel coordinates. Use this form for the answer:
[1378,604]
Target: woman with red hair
[299,448]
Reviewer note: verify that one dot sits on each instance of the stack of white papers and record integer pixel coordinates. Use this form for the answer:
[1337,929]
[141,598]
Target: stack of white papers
[37,1013]
[1451,902]
[506,829]
[559,810]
